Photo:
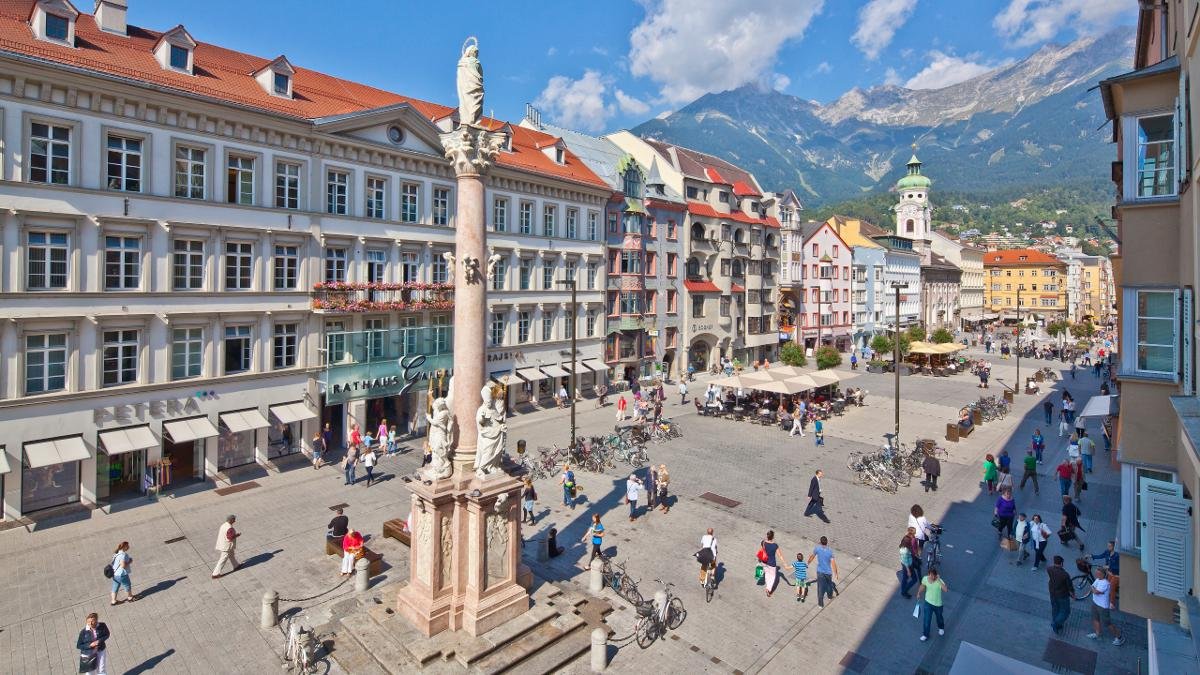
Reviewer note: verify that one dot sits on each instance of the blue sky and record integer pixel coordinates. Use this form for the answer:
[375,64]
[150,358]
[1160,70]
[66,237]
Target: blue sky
[604,65]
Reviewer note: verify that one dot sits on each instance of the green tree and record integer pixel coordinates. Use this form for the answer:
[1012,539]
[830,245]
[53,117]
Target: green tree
[828,357]
[1083,330]
[1056,328]
[916,333]
[942,336]
[792,354]
[881,344]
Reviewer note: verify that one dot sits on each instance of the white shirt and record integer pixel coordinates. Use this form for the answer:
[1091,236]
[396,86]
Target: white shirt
[709,541]
[1038,532]
[1100,593]
[1019,531]
[369,459]
[1073,450]
[921,525]
[631,489]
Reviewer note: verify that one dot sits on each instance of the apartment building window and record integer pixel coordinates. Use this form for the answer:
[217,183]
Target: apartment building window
[49,153]
[237,349]
[592,271]
[239,265]
[119,362]
[45,363]
[523,327]
[376,265]
[1152,319]
[287,185]
[547,275]
[187,265]
[548,214]
[375,332]
[498,274]
[547,327]
[499,214]
[496,332]
[571,268]
[410,266]
[122,263]
[526,273]
[376,197]
[335,265]
[672,301]
[57,27]
[593,223]
[590,323]
[337,191]
[526,218]
[187,349]
[46,260]
[441,206]
[572,224]
[284,345]
[239,180]
[335,341]
[124,163]
[568,325]
[1156,156]
[286,267]
[697,306]
[612,223]
[631,262]
[631,302]
[189,172]
[410,202]
[725,306]
[651,264]
[441,333]
[441,270]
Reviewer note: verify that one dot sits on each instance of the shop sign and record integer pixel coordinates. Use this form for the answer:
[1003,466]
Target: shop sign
[349,382]
[701,327]
[124,414]
[494,357]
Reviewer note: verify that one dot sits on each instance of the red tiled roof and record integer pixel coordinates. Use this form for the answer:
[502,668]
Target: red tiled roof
[702,209]
[701,286]
[226,76]
[658,204]
[737,289]
[771,221]
[741,189]
[715,176]
[1019,257]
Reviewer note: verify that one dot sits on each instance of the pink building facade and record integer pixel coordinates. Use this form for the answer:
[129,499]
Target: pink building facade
[816,274]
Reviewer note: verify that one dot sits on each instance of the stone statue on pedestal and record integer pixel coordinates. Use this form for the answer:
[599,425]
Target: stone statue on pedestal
[492,434]
[470,84]
[441,435]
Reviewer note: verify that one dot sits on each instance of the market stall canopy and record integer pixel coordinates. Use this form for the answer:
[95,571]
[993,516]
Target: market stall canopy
[765,376]
[793,385]
[918,347]
[531,374]
[731,381]
[1101,406]
[292,412]
[117,441]
[825,377]
[56,451]
[792,371]
[244,420]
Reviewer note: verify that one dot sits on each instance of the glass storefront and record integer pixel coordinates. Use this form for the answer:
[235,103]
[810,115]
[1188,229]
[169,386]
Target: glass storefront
[181,463]
[120,475]
[234,448]
[49,486]
[283,439]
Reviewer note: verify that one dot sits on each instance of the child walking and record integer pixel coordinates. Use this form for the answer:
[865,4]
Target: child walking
[819,432]
[800,575]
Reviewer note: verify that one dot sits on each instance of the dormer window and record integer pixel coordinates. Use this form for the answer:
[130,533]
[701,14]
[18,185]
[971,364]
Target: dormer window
[175,49]
[276,77]
[283,84]
[559,155]
[54,21]
[57,27]
[179,57]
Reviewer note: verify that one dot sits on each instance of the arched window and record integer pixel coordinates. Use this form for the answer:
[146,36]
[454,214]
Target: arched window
[739,237]
[770,241]
[910,225]
[693,267]
[697,231]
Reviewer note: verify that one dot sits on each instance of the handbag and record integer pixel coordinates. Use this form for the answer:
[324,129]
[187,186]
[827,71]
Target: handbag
[759,574]
[108,571]
[1084,486]
[88,661]
[996,522]
[761,555]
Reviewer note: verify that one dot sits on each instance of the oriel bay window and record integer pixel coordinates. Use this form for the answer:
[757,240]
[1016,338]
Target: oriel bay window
[1155,156]
[1153,323]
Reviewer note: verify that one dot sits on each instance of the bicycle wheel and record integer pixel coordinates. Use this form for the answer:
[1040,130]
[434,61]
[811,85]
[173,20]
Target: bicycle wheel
[1081,586]
[629,591]
[645,632]
[675,613]
[710,586]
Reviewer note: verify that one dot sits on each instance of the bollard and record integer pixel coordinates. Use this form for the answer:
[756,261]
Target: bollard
[599,650]
[596,582]
[543,548]
[362,574]
[270,609]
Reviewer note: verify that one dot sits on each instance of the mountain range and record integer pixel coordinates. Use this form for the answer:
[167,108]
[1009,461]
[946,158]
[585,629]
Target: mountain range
[1028,124]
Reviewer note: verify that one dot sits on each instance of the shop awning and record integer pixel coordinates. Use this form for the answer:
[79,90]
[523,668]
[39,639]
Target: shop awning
[244,420]
[56,451]
[531,374]
[1100,406]
[117,441]
[556,371]
[296,411]
[593,365]
[508,379]
[188,430]
[4,467]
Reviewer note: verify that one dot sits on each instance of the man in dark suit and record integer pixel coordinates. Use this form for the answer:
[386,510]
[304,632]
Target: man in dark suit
[93,655]
[816,500]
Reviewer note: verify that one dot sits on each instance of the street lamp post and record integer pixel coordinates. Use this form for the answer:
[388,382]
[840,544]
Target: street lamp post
[570,283]
[1019,386]
[897,286]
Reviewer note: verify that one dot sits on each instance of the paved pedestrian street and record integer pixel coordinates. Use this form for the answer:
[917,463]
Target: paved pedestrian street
[187,622]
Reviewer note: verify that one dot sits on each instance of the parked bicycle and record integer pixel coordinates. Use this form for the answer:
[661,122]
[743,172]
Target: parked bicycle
[653,621]
[616,578]
[932,554]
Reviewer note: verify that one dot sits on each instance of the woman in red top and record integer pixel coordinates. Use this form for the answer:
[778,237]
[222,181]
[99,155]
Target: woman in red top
[352,546]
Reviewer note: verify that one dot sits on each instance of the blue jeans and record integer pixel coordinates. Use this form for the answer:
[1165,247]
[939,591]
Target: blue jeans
[350,474]
[122,582]
[908,578]
[1064,485]
[1037,451]
[1087,463]
[927,613]
[825,587]
[391,447]
[567,500]
[1060,609]
[1047,418]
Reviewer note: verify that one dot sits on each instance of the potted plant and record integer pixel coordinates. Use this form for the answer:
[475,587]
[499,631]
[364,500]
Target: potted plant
[792,354]
[828,357]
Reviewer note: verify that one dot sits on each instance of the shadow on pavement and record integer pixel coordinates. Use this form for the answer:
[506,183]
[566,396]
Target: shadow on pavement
[161,586]
[150,663]
[259,559]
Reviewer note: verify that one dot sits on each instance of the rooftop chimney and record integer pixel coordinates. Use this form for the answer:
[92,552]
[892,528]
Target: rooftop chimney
[110,15]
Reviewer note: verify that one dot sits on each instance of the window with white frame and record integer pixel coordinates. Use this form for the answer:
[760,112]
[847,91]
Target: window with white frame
[375,331]
[441,206]
[547,327]
[590,323]
[1156,156]
[238,351]
[124,163]
[410,333]
[498,274]
[410,202]
[568,325]
[376,265]
[1144,480]
[119,362]
[239,180]
[335,264]
[523,319]
[187,353]
[571,267]
[441,333]
[337,192]
[190,172]
[593,225]
[496,332]
[46,255]
[441,270]
[499,214]
[287,185]
[410,266]
[286,267]
[45,363]
[547,275]
[122,263]
[525,274]
[376,197]
[284,345]
[49,153]
[593,270]
[239,265]
[1152,325]
[526,218]
[335,341]
[572,224]
[178,57]
[187,264]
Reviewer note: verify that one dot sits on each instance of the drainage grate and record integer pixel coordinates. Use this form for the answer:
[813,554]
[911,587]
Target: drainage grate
[854,662]
[335,507]
[1069,657]
[240,487]
[176,539]
[718,499]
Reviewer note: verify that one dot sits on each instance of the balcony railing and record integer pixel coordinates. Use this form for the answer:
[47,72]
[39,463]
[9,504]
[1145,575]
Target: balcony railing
[356,297]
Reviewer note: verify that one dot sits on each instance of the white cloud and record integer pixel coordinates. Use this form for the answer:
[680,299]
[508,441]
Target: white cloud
[878,21]
[630,105]
[1028,22]
[824,67]
[890,76]
[692,47]
[779,81]
[552,51]
[578,104]
[944,70]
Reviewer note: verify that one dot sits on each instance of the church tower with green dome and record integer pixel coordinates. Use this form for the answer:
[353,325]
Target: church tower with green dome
[914,215]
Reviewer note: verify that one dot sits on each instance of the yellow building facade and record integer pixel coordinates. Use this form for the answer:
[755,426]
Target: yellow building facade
[1039,277]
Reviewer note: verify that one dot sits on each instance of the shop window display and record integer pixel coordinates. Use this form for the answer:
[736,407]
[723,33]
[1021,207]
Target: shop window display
[49,486]
[234,448]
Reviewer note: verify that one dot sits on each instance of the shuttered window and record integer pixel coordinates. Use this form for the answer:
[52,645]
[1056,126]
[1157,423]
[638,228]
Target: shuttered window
[1166,539]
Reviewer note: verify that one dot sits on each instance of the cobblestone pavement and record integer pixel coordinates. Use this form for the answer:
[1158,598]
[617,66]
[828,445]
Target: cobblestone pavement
[187,622]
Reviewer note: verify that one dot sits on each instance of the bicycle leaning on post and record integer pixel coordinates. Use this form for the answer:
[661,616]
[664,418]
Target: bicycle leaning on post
[653,621]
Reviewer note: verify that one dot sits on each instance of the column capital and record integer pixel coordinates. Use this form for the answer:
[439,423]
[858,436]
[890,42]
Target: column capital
[471,149]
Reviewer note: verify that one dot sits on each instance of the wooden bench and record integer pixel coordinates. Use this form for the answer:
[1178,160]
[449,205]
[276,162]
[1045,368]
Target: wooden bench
[333,546]
[374,559]
[965,432]
[952,432]
[396,529]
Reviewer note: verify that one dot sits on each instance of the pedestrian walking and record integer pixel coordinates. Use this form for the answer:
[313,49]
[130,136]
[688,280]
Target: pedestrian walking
[596,534]
[92,646]
[350,464]
[356,437]
[1048,408]
[1070,522]
[392,448]
[768,551]
[989,473]
[1078,482]
[120,565]
[1059,586]
[327,436]
[568,486]
[632,485]
[819,432]
[1024,540]
[381,433]
[318,450]
[1064,427]
[907,571]
[1039,534]
[1072,370]
[1004,480]
[932,468]
[227,538]
[1003,461]
[528,497]
[652,489]
[1030,465]
[622,404]
[1087,448]
[827,571]
[682,392]
[816,498]
[1064,473]
[352,550]
[369,460]
[1004,512]
[800,576]
[931,593]
[1073,453]
[1102,606]
[663,482]
[1039,444]
[919,523]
